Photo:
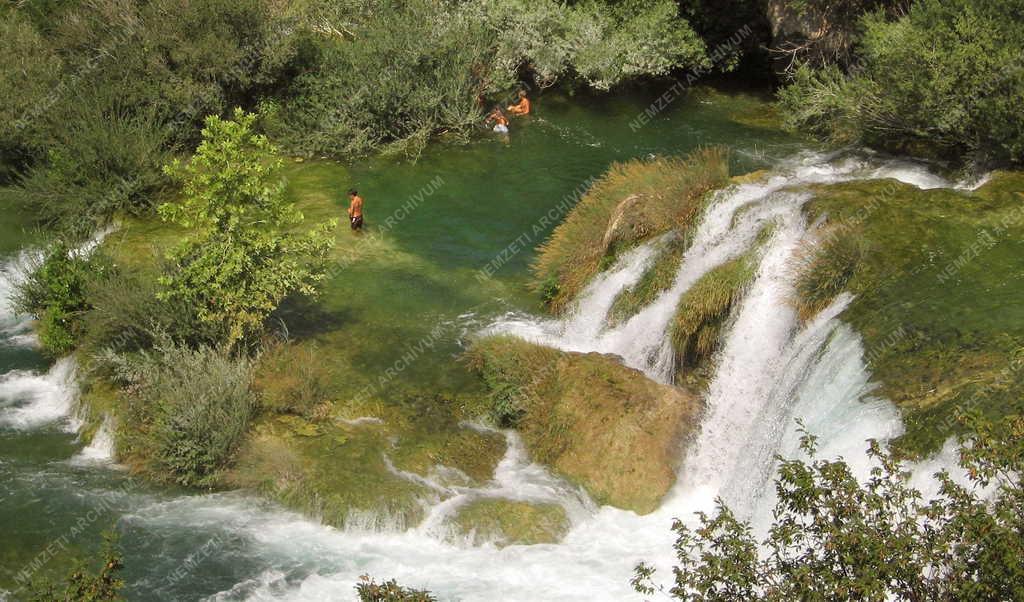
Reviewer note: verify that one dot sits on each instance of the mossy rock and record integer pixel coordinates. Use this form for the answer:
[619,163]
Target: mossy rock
[599,424]
[333,471]
[937,279]
[504,522]
[472,453]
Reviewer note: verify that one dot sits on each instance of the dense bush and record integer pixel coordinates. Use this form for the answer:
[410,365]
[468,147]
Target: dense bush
[189,408]
[55,292]
[369,590]
[407,70]
[834,538]
[945,79]
[243,254]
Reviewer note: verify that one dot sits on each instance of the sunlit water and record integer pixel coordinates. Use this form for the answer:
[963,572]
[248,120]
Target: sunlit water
[234,546]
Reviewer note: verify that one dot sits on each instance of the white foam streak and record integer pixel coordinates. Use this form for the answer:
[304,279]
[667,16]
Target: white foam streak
[30,399]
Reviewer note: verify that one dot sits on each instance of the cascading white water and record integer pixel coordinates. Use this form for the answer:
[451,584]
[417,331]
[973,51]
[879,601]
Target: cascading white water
[730,224]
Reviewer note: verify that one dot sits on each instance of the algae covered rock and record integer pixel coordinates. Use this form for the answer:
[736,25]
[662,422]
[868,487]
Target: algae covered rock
[599,424]
[508,522]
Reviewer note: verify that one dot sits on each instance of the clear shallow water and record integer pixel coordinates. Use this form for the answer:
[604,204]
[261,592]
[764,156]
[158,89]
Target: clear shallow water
[233,546]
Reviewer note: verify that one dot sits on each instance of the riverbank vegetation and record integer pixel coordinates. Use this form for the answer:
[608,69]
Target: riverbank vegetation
[108,92]
[940,79]
[836,537]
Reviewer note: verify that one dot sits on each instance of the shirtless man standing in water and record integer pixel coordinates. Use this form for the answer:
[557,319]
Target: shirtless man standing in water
[355,210]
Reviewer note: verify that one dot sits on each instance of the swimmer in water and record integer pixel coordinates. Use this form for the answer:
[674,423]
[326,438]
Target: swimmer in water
[522,107]
[499,119]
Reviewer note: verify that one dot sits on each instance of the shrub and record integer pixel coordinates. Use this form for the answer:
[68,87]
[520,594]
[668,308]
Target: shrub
[244,254]
[631,202]
[943,79]
[55,293]
[191,408]
[389,591]
[835,538]
[125,311]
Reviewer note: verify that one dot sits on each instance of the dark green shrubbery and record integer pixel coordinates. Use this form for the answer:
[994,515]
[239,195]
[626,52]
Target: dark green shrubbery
[946,79]
[834,538]
[55,292]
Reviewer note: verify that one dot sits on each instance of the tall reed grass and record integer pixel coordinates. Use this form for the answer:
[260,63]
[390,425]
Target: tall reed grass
[633,201]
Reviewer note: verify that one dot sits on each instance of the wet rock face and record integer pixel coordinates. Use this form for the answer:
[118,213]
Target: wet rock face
[599,424]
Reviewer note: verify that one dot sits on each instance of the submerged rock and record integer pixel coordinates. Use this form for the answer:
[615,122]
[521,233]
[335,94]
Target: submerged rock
[505,522]
[599,424]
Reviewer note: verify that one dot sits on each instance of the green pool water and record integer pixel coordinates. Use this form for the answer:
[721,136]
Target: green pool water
[415,283]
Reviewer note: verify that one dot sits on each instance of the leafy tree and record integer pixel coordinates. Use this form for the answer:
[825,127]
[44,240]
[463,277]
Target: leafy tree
[55,292]
[243,253]
[834,538]
[945,79]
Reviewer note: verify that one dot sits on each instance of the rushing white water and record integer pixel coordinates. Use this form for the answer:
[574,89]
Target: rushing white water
[729,226]
[29,399]
[101,449]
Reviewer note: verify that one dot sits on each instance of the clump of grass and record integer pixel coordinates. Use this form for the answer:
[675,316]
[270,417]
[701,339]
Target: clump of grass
[703,311]
[190,408]
[824,268]
[632,201]
[292,378]
[656,280]
[511,369]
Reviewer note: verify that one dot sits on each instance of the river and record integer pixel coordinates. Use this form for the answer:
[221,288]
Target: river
[57,495]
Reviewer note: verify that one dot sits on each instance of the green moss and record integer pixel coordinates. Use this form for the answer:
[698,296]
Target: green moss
[599,424]
[508,522]
[656,280]
[703,311]
[937,297]
[333,471]
[631,202]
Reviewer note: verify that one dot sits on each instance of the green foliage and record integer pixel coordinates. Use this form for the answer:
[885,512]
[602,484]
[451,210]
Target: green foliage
[125,310]
[389,591]
[511,369]
[243,255]
[55,292]
[633,201]
[105,90]
[834,538]
[84,586]
[403,71]
[944,79]
[22,89]
[189,408]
